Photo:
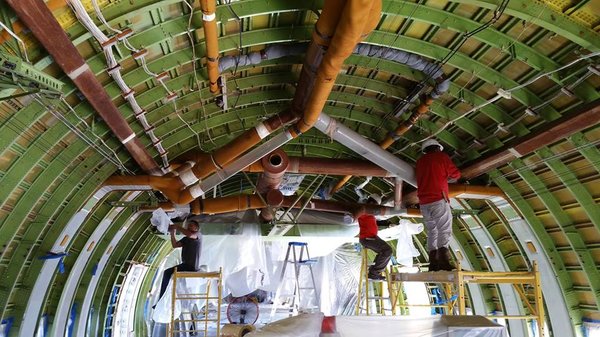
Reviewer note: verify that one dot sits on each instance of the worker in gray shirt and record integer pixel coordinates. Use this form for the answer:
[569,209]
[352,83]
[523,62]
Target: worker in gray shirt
[191,247]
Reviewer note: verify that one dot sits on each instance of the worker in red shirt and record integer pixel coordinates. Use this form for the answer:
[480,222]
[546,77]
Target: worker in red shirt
[434,170]
[368,238]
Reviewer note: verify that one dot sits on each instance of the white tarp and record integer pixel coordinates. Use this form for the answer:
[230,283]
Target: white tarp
[161,220]
[438,326]
[248,263]
[251,262]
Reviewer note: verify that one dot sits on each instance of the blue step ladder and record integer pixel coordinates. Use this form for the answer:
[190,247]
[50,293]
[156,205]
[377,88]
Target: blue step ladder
[297,254]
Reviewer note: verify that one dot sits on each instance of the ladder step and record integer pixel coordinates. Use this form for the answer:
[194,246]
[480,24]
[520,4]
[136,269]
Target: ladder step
[377,298]
[309,261]
[296,243]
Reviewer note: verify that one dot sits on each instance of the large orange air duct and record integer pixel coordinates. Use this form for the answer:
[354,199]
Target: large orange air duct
[228,204]
[240,145]
[348,32]
[173,186]
[321,38]
[244,202]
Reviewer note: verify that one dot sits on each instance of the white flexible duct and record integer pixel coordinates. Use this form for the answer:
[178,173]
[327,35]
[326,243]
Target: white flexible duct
[412,60]
[366,148]
[362,197]
[270,53]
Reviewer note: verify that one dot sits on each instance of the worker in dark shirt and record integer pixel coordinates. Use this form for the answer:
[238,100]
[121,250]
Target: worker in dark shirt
[434,170]
[191,247]
[368,238]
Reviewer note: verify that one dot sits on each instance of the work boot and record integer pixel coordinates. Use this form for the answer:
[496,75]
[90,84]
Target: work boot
[433,260]
[376,277]
[443,259]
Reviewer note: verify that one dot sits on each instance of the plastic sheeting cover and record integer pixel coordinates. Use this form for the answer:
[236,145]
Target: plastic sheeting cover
[405,248]
[290,183]
[438,326]
[305,325]
[160,220]
[308,325]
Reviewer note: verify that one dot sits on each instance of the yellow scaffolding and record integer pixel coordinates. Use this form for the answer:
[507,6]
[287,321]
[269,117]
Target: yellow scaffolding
[211,278]
[375,291]
[459,278]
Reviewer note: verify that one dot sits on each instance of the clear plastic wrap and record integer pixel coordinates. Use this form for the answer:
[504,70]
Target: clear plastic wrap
[385,326]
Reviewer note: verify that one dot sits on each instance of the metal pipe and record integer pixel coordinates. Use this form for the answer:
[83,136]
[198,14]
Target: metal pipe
[38,18]
[369,150]
[420,111]
[397,193]
[329,166]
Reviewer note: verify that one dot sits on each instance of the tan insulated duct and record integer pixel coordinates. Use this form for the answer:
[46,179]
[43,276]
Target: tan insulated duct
[252,201]
[173,187]
[38,18]
[208,164]
[321,38]
[312,165]
[209,23]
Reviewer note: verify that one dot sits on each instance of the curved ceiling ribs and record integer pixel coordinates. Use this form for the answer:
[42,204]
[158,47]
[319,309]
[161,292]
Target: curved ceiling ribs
[555,187]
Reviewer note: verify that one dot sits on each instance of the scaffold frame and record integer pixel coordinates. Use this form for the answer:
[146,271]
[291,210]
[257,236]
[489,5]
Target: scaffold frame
[211,277]
[459,278]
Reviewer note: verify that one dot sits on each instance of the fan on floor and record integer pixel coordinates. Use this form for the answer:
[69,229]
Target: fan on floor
[242,310]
